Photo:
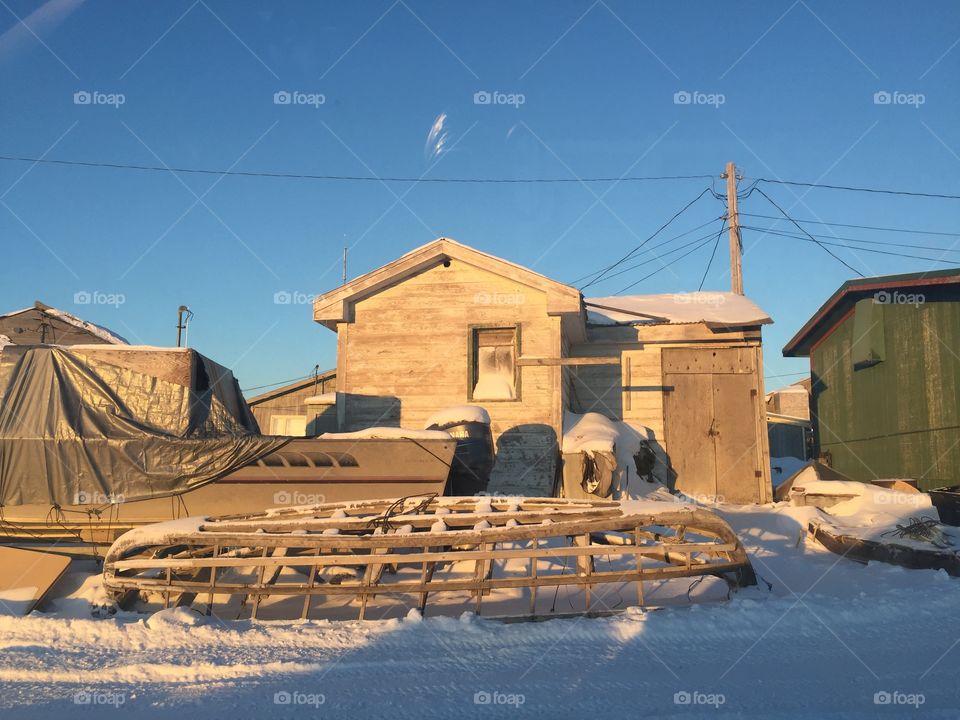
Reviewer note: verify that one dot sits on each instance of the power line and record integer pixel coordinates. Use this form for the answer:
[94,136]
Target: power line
[277,384]
[361,178]
[637,248]
[858,227]
[865,241]
[665,266]
[794,236]
[793,374]
[712,255]
[708,236]
[373,178]
[822,245]
[857,189]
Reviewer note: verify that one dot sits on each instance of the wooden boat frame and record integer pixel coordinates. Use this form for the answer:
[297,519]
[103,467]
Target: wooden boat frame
[181,564]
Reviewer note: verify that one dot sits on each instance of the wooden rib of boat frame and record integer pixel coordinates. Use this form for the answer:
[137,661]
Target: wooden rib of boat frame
[308,539]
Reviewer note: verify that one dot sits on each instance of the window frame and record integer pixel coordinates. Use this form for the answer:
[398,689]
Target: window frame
[473,351]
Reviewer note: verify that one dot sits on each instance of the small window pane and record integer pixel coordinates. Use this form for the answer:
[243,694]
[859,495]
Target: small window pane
[495,369]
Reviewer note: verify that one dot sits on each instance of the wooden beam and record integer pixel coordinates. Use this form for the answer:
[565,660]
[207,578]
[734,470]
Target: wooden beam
[608,360]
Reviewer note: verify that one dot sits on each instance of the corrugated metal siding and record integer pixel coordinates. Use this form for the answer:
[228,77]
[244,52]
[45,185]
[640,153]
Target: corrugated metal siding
[900,417]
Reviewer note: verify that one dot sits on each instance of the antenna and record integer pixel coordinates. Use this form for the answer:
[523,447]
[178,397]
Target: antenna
[184,316]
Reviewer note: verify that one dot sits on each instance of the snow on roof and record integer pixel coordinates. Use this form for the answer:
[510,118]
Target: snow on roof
[92,328]
[457,415]
[389,433]
[723,309]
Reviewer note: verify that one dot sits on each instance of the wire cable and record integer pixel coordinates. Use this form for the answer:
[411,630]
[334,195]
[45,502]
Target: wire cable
[822,245]
[794,236]
[637,248]
[850,188]
[665,266]
[712,255]
[708,236]
[867,242]
[859,227]
[373,178]
[652,247]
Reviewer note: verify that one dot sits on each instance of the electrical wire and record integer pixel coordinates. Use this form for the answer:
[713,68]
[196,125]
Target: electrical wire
[637,248]
[373,178]
[708,236]
[665,266]
[881,191]
[651,248]
[912,231]
[794,236]
[865,241]
[818,242]
[712,255]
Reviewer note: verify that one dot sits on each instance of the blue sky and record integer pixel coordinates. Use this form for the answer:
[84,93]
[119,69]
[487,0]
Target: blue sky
[598,81]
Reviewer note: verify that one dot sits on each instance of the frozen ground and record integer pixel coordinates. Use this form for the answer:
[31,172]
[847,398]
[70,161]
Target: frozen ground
[828,637]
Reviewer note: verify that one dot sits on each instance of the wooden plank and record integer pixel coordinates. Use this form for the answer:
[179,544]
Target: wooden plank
[567,361]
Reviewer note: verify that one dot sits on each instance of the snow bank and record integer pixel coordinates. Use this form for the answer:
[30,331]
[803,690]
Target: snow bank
[389,433]
[456,415]
[714,308]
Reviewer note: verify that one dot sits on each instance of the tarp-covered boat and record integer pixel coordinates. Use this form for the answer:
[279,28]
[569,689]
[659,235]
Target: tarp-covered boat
[96,439]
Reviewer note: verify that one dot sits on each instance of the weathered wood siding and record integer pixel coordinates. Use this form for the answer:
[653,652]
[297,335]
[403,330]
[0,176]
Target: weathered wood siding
[899,418]
[292,403]
[633,390]
[405,356]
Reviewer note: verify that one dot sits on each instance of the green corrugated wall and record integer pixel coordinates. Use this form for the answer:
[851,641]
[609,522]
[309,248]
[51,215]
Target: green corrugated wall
[898,417]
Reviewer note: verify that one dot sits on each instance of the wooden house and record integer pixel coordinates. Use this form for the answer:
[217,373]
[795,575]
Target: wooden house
[446,324]
[42,324]
[886,376]
[304,407]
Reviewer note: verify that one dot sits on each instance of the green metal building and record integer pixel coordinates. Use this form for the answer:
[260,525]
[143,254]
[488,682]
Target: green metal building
[885,366]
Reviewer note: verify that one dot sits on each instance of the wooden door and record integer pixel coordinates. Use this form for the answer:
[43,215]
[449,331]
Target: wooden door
[711,422]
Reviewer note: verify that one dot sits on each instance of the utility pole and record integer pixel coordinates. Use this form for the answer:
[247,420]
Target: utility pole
[733,220]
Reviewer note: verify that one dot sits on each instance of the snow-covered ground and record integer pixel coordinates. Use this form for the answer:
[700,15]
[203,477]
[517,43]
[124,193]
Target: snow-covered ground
[831,639]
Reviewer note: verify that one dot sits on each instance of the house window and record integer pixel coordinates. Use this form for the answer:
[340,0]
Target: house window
[494,364]
[288,425]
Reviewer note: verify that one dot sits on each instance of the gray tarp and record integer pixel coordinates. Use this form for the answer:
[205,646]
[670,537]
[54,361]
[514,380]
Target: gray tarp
[72,426]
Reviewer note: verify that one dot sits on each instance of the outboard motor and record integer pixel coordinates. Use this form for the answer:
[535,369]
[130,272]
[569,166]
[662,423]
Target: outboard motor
[473,460]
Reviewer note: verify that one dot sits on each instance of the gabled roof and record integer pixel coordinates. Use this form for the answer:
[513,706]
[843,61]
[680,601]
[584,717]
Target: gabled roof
[291,387]
[40,312]
[714,309]
[337,305]
[840,303]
